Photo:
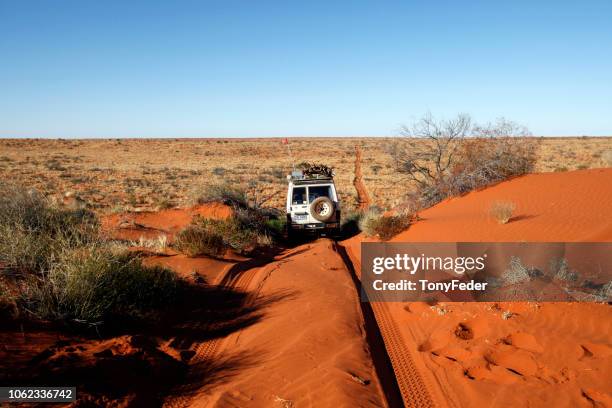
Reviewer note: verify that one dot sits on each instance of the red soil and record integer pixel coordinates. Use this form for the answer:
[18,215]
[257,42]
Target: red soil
[514,354]
[301,337]
[150,225]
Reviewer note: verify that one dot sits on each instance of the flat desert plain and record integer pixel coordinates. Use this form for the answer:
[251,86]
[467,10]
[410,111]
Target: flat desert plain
[128,174]
[284,327]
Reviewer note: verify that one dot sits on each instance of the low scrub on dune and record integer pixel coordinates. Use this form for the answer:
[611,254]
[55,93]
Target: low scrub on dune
[250,226]
[243,232]
[55,266]
[93,284]
[453,157]
[233,195]
[202,237]
[374,223]
[502,211]
[33,232]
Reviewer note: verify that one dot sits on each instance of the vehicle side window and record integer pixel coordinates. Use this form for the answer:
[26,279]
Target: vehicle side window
[298,195]
[318,191]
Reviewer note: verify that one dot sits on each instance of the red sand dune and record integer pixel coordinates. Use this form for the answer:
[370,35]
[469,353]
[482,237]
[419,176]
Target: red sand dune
[150,225]
[562,207]
[513,354]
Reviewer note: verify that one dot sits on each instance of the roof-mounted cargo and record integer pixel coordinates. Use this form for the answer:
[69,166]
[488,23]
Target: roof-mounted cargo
[311,174]
[312,171]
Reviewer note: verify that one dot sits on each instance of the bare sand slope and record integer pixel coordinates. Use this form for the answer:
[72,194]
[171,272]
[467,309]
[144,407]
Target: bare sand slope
[307,349]
[513,354]
[564,207]
[307,345]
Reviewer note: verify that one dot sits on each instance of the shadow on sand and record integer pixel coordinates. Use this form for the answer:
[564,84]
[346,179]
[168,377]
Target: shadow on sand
[141,364]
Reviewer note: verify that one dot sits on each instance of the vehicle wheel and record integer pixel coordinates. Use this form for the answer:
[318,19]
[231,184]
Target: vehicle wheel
[322,209]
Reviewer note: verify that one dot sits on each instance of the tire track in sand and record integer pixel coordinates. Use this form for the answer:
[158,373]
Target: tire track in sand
[414,389]
[208,350]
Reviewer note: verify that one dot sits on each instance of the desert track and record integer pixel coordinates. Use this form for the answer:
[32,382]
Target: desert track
[415,391]
[413,388]
[209,350]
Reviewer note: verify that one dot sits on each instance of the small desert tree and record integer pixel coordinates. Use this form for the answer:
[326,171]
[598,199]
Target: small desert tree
[451,157]
[428,164]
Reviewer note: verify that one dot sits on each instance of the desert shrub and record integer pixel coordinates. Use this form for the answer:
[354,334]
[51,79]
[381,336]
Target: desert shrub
[93,284]
[251,225]
[561,271]
[61,269]
[502,211]
[165,204]
[276,226]
[199,239]
[453,157]
[516,272]
[229,194]
[205,236]
[374,223]
[219,171]
[484,161]
[33,232]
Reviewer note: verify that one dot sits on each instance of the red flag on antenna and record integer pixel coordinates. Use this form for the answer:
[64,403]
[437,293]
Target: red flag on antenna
[285,141]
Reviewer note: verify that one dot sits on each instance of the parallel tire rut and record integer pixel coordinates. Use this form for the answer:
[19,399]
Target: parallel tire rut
[412,386]
[207,350]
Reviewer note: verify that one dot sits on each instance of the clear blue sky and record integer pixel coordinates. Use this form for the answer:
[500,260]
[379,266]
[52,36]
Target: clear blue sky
[176,68]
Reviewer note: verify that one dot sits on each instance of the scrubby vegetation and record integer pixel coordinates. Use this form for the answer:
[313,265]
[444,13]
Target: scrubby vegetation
[233,195]
[451,157]
[502,211]
[249,227]
[374,223]
[212,237]
[93,284]
[55,266]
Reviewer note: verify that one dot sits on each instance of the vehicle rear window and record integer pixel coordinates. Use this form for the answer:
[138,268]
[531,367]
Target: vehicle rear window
[298,195]
[318,191]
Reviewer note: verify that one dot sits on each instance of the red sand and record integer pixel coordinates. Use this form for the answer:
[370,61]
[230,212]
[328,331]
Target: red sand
[308,344]
[150,225]
[309,349]
[514,354]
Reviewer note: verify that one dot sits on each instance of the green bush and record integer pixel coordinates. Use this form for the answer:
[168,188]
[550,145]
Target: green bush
[33,232]
[276,225]
[249,227]
[200,238]
[212,237]
[60,268]
[93,284]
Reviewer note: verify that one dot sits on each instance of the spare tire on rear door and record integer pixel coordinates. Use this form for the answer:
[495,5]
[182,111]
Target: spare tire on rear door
[322,209]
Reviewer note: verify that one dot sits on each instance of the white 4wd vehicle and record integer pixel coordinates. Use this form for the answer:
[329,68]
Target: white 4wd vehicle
[312,204]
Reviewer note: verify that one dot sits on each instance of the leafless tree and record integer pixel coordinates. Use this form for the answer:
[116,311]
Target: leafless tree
[449,157]
[435,159]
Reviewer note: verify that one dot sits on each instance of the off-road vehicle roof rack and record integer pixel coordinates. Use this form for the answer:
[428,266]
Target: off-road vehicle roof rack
[298,177]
